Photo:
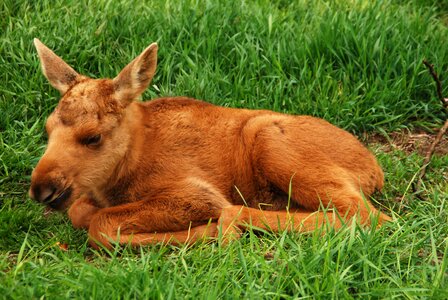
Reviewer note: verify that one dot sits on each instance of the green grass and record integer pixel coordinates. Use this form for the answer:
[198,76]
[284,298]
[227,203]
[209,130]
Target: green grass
[354,63]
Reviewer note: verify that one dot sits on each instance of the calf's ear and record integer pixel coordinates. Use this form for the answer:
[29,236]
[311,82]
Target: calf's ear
[60,75]
[136,76]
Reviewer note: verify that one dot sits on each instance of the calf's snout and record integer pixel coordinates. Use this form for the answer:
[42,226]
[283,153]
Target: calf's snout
[47,184]
[42,192]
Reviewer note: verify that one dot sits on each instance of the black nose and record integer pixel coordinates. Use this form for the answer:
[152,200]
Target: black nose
[43,193]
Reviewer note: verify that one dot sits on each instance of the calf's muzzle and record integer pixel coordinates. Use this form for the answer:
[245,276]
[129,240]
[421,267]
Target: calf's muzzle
[47,187]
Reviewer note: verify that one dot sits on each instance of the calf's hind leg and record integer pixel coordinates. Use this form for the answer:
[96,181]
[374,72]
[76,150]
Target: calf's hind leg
[343,201]
[237,217]
[316,179]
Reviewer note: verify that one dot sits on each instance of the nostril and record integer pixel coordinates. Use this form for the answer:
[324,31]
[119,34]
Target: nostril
[43,193]
[47,195]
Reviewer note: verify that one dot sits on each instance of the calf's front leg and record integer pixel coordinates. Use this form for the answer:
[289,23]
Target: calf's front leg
[181,213]
[82,211]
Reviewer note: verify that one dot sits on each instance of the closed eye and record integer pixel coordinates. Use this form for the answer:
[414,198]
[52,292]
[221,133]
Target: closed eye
[91,140]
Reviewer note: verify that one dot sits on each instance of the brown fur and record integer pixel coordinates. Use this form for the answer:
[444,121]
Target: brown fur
[164,169]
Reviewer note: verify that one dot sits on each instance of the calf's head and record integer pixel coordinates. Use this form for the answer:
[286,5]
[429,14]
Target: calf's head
[90,131]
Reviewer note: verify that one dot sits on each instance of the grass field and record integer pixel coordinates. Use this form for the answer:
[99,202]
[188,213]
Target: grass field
[354,63]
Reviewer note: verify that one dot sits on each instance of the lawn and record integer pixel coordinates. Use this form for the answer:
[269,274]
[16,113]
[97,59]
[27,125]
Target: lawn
[357,64]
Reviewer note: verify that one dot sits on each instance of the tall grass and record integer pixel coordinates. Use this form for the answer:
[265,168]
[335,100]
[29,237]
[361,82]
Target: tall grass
[354,63]
[357,64]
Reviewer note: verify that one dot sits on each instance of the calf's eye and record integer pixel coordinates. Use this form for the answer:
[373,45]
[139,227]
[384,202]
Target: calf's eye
[93,140]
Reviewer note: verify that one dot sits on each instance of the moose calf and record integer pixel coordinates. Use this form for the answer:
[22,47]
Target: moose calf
[175,169]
